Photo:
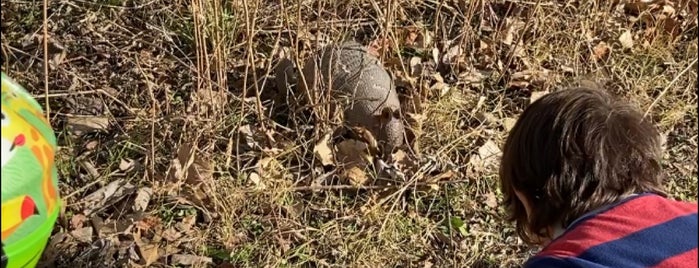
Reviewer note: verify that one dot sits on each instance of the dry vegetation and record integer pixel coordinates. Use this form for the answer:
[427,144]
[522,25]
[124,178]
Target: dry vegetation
[177,148]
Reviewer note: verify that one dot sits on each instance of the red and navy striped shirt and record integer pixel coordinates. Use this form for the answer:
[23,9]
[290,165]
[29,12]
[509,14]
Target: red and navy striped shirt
[644,230]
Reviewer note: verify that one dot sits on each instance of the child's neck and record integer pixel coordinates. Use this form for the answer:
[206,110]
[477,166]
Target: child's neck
[558,229]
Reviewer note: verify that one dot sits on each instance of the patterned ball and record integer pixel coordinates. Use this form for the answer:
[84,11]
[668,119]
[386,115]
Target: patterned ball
[30,200]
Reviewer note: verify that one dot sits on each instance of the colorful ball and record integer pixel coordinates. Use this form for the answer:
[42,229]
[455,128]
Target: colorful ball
[30,200]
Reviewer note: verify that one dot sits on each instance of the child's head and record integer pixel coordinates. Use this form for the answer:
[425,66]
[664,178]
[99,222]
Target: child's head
[571,152]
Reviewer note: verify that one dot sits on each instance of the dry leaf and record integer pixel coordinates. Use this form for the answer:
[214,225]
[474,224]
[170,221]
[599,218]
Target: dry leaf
[189,260]
[323,151]
[472,76]
[403,162]
[636,7]
[442,87]
[600,51]
[126,164]
[245,133]
[489,153]
[142,199]
[353,153]
[521,79]
[109,194]
[626,39]
[186,224]
[491,200]
[150,253]
[87,124]
[83,234]
[91,145]
[435,55]
[77,221]
[171,234]
[355,175]
[425,39]
[444,176]
[193,165]
[411,37]
[452,54]
[257,181]
[513,25]
[415,66]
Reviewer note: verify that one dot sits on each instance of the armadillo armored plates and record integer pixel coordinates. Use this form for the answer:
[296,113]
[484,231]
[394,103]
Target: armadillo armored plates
[30,201]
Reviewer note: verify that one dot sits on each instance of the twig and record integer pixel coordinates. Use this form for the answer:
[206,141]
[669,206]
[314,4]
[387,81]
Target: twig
[46,61]
[668,87]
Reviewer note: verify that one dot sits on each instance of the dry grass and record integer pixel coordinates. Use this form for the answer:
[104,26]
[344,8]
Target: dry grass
[186,89]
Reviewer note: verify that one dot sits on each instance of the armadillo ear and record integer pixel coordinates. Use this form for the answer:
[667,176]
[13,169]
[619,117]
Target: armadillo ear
[386,113]
[396,113]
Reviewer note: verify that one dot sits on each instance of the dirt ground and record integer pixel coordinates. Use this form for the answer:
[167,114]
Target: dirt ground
[178,149]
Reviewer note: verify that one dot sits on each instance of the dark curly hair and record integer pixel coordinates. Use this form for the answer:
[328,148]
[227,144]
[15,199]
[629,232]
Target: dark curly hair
[573,151]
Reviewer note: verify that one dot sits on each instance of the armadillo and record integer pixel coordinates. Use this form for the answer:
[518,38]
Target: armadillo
[371,98]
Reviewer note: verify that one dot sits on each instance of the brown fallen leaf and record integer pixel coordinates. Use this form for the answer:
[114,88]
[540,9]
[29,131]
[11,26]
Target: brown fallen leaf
[452,54]
[403,162]
[365,135]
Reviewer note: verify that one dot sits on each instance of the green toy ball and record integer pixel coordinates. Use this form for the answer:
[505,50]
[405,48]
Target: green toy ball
[30,200]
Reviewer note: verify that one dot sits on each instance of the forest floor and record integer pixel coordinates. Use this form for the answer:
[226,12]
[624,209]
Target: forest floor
[176,148]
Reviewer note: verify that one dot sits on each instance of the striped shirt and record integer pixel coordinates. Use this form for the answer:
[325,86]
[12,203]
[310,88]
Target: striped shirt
[644,230]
